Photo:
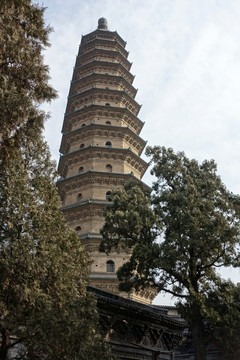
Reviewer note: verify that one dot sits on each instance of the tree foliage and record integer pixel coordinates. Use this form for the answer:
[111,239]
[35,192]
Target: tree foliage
[23,74]
[46,312]
[44,306]
[189,231]
[222,310]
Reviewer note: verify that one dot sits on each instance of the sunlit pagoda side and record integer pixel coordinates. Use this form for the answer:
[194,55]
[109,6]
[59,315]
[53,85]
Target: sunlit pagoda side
[101,147]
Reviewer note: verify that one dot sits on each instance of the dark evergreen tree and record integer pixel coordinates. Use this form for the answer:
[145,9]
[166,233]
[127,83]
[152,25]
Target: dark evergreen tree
[46,312]
[23,74]
[189,231]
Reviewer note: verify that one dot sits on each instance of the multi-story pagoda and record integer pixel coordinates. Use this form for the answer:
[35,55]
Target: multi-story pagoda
[101,146]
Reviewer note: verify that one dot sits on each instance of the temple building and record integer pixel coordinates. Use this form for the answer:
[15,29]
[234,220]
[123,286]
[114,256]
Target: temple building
[101,150]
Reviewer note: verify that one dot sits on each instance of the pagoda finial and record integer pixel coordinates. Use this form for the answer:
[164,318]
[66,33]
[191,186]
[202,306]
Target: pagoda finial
[102,24]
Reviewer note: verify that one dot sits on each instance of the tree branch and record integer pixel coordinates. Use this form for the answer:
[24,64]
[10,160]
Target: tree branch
[174,293]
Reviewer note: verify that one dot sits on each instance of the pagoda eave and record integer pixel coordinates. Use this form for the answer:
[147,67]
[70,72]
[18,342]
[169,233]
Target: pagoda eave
[110,131]
[97,177]
[102,34]
[109,80]
[96,94]
[104,67]
[103,43]
[98,152]
[104,53]
[80,212]
[102,110]
[88,203]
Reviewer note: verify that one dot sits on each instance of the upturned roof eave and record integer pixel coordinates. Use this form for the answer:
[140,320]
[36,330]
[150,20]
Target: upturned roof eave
[103,32]
[102,62]
[95,88]
[67,135]
[95,74]
[131,176]
[105,51]
[82,46]
[102,107]
[103,148]
[88,202]
[124,304]
[117,92]
[112,108]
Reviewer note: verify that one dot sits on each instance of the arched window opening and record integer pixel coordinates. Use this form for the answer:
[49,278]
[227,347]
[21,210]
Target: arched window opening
[79,197]
[108,195]
[109,168]
[82,146]
[107,104]
[83,125]
[80,170]
[108,122]
[108,143]
[110,266]
[78,228]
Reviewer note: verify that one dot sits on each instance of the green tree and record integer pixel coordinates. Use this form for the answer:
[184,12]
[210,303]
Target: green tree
[46,312]
[222,310]
[23,74]
[189,231]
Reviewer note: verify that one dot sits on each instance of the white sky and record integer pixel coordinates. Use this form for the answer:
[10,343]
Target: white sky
[185,56]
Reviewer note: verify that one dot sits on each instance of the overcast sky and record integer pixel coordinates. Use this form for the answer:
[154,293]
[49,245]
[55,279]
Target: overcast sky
[185,56]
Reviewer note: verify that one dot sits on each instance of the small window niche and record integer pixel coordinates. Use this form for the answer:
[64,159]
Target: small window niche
[78,228]
[108,143]
[107,104]
[110,266]
[81,146]
[81,169]
[79,197]
[109,168]
[108,122]
[108,195]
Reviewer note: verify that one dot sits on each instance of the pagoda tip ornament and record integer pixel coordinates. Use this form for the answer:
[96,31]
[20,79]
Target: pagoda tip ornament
[102,24]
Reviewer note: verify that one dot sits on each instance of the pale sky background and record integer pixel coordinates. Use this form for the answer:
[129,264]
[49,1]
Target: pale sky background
[185,56]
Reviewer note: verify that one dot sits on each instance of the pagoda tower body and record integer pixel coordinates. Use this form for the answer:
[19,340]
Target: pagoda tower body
[101,147]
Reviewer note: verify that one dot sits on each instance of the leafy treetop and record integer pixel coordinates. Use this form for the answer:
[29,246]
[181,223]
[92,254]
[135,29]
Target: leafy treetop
[23,74]
[180,236]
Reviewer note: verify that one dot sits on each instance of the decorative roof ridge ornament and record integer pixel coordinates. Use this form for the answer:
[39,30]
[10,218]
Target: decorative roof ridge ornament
[102,24]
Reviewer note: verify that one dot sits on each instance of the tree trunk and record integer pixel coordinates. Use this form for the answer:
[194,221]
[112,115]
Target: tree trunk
[4,344]
[197,334]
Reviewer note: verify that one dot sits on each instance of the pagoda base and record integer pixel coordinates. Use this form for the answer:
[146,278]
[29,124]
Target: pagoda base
[110,284]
